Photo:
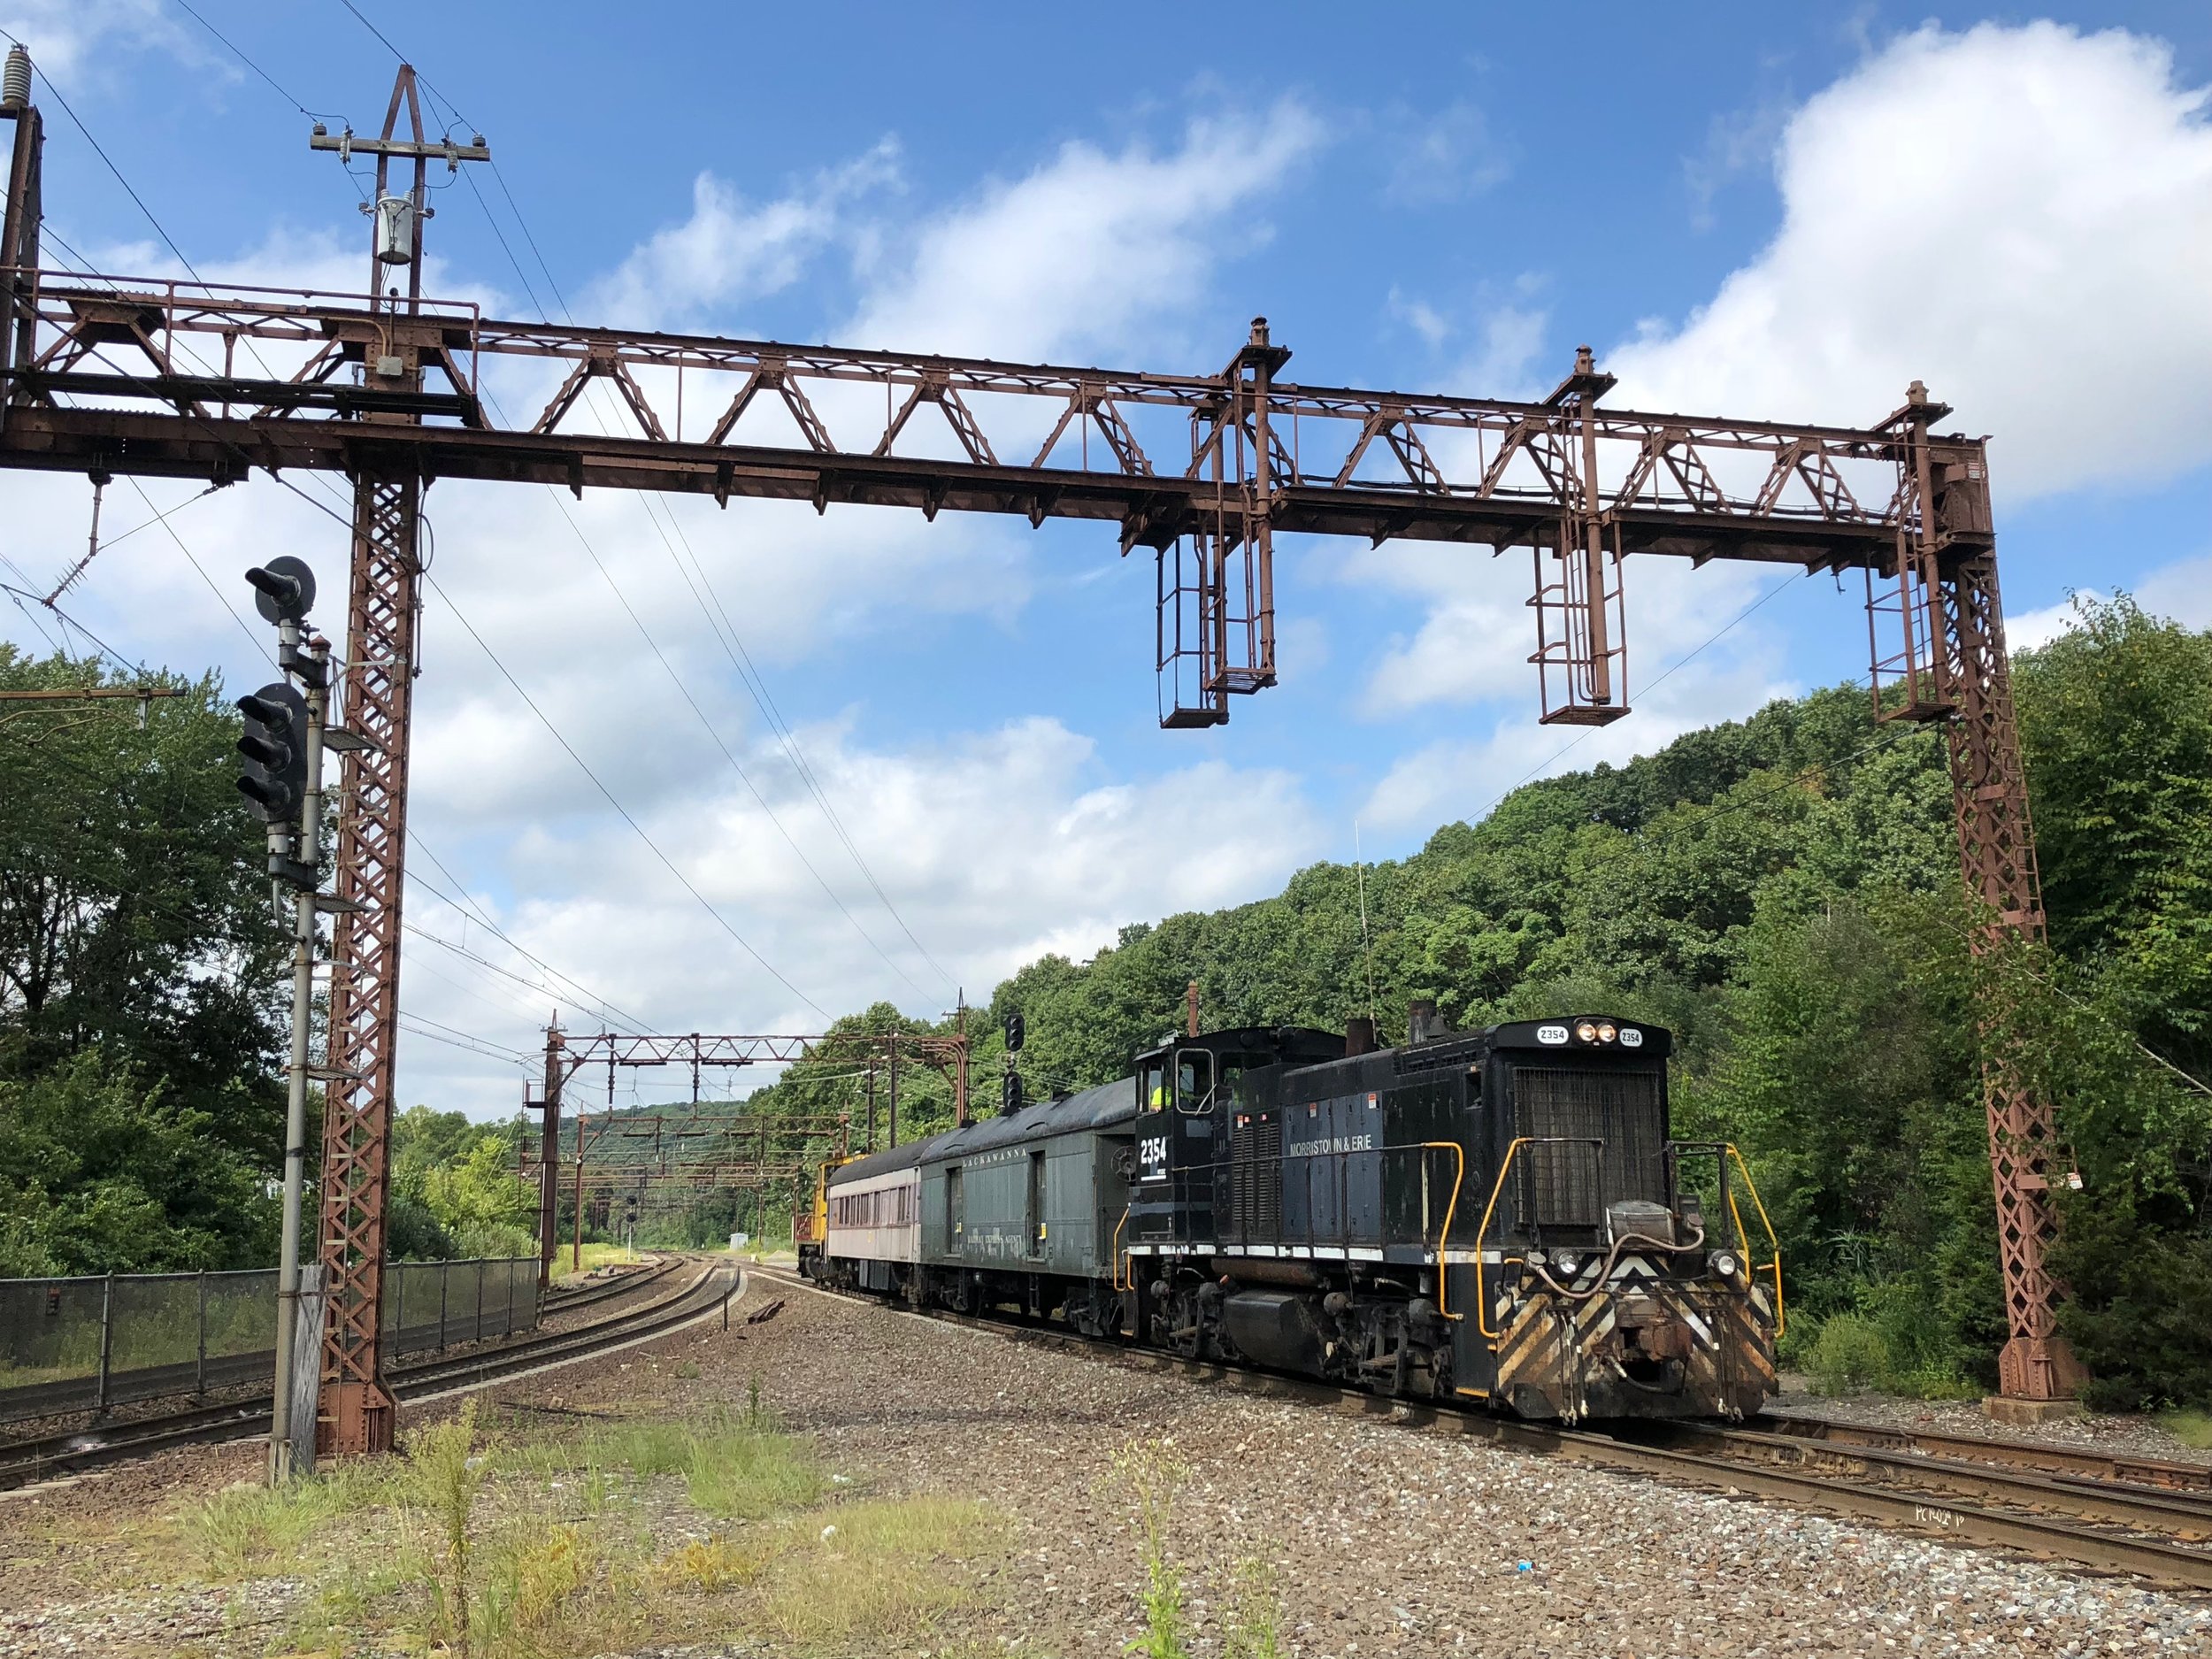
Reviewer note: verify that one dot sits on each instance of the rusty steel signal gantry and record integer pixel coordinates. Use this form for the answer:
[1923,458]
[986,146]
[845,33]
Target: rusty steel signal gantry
[108,375]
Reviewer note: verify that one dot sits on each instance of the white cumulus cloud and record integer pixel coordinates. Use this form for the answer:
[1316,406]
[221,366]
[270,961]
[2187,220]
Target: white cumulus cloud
[2022,218]
[1088,247]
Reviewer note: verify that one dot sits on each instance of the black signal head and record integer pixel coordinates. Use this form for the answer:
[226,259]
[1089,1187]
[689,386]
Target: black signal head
[282,590]
[274,749]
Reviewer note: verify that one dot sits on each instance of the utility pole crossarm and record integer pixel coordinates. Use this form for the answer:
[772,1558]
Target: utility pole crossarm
[423,150]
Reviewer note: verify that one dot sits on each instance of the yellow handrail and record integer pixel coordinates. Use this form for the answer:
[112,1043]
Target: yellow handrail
[1482,1298]
[1451,1209]
[1774,1244]
[1116,1258]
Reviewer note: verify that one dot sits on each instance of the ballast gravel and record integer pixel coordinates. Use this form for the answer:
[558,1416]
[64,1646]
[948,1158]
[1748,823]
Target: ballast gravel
[1382,1540]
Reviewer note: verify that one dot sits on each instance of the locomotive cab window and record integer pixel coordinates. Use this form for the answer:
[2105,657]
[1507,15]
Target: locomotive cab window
[1152,1083]
[1194,1081]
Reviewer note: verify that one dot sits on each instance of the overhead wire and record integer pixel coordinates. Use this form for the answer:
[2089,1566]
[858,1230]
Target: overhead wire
[1545,764]
[414,838]
[776,727]
[748,673]
[240,54]
[639,829]
[467,907]
[286,483]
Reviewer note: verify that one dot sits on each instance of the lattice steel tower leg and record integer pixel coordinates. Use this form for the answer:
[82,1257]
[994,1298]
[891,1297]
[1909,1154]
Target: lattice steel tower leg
[1997,853]
[1951,666]
[355,1412]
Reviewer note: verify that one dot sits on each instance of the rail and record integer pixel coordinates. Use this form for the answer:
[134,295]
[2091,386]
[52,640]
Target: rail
[46,1455]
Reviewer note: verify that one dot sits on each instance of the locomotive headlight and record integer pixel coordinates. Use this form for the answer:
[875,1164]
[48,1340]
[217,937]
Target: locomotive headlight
[1566,1263]
[1587,1032]
[1606,1034]
[1725,1264]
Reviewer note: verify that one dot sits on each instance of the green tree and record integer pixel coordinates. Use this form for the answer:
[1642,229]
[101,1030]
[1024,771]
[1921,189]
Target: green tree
[101,1173]
[134,912]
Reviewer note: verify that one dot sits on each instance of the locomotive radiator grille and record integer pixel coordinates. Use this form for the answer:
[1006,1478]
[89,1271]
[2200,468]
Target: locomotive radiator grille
[1623,1109]
[1255,1178]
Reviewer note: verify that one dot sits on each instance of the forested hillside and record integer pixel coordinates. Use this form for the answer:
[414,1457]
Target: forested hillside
[1782,891]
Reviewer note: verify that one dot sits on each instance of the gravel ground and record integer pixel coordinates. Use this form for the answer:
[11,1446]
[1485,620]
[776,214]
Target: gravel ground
[1384,1541]
[2117,1436]
[1388,1541]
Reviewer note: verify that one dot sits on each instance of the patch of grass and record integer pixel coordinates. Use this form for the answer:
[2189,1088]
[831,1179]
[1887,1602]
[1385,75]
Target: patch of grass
[709,1565]
[244,1530]
[597,1255]
[873,1572]
[2190,1428]
[535,1545]
[733,1467]
[1151,1474]
[1255,1612]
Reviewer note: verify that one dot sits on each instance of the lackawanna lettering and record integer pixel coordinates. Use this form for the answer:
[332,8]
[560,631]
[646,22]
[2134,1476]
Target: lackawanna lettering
[1332,1143]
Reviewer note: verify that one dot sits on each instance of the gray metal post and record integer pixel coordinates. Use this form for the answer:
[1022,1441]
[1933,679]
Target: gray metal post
[199,1367]
[480,1302]
[283,1460]
[445,1285]
[107,1340]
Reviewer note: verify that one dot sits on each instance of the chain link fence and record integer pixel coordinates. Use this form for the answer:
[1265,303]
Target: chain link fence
[70,1345]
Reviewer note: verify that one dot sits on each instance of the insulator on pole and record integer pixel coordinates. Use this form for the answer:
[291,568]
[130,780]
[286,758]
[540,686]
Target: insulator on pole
[15,79]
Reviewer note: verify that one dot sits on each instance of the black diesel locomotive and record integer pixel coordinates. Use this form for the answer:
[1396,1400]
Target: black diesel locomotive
[1493,1216]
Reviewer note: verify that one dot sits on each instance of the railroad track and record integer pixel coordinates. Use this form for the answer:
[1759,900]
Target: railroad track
[558,1300]
[24,1460]
[2133,1516]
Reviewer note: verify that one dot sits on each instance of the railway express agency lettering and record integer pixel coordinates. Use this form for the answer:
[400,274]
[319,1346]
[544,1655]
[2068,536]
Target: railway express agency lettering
[1331,1143]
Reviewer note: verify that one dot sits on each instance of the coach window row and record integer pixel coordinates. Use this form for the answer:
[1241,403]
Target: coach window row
[892,1208]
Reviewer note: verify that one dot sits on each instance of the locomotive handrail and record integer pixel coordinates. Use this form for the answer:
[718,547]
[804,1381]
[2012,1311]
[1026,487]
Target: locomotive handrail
[1773,1243]
[1444,1239]
[1724,1151]
[1115,1257]
[1482,1298]
[1340,1174]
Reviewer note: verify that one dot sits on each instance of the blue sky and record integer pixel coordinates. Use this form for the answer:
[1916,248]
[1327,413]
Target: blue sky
[1784,212]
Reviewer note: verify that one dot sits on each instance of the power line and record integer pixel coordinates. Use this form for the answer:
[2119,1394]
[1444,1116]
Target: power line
[748,673]
[729,755]
[778,727]
[639,829]
[413,1025]
[257,68]
[469,909]
[415,838]
[1589,732]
